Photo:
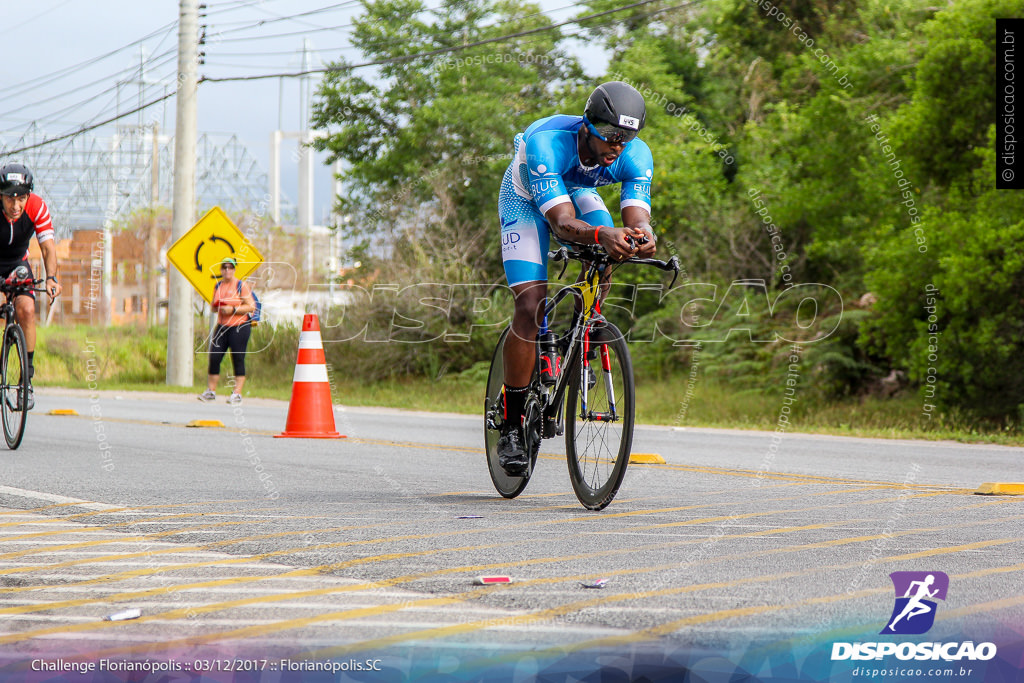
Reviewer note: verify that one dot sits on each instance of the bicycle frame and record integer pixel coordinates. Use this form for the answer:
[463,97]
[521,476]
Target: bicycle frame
[588,290]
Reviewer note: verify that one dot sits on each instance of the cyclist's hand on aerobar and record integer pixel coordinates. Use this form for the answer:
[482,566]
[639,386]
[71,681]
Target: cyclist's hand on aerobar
[647,249]
[615,243]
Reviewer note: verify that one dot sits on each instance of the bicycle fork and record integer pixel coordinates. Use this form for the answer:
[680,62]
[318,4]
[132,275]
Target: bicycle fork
[606,368]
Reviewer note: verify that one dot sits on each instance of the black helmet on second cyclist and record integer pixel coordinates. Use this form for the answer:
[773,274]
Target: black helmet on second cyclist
[615,112]
[15,180]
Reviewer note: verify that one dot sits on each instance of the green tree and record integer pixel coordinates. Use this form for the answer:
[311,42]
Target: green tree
[953,104]
[952,316]
[427,140]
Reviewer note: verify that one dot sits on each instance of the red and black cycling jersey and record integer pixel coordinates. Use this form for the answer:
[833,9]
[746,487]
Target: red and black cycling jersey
[15,236]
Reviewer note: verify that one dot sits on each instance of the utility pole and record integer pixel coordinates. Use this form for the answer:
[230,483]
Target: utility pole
[179,295]
[106,317]
[306,219]
[152,246]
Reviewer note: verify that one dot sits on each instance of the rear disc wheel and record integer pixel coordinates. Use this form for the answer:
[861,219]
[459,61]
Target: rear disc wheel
[505,484]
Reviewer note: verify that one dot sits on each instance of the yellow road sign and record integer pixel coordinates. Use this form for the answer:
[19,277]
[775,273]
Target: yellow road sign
[198,253]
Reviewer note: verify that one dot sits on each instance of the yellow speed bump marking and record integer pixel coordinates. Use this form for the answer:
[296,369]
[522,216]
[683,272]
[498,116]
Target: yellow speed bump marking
[998,489]
[205,423]
[646,459]
[63,411]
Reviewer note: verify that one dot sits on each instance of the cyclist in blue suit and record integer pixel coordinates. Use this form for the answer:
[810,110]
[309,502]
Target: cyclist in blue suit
[550,187]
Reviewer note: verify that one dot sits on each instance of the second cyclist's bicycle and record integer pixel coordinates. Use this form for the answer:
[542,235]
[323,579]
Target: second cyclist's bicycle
[14,372]
[592,406]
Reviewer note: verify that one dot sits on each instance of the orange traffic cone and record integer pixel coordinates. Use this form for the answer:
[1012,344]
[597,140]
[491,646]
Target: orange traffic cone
[310,412]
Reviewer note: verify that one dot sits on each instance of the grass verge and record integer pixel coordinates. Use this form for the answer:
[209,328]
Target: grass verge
[134,359]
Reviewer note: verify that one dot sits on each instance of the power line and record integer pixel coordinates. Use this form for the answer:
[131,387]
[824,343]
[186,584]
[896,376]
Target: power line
[248,23]
[231,7]
[86,129]
[439,51]
[121,74]
[391,60]
[375,45]
[33,18]
[57,75]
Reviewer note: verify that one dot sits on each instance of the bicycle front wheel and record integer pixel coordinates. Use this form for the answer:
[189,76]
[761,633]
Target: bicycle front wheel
[14,385]
[599,417]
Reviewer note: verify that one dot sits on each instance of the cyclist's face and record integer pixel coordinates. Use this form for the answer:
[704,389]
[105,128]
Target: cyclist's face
[605,153]
[14,206]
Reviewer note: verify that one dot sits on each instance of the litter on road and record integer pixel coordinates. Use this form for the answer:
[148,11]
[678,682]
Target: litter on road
[124,615]
[488,580]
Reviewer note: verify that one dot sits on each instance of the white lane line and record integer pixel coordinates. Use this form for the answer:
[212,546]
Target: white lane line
[55,499]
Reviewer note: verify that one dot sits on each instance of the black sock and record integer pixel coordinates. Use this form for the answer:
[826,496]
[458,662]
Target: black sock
[515,400]
[31,364]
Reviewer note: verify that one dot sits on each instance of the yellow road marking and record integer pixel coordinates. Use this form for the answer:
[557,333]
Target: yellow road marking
[348,614]
[66,532]
[156,535]
[392,539]
[65,505]
[461,569]
[187,548]
[748,515]
[645,634]
[312,571]
[107,541]
[134,508]
[390,582]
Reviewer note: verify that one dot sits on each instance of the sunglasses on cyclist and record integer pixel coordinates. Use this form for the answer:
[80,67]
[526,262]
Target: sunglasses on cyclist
[611,134]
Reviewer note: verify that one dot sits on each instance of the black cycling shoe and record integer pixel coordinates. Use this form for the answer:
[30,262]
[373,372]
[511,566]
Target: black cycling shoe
[511,452]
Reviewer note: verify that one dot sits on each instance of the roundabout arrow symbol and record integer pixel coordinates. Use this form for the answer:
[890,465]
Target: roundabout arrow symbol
[214,238]
[199,247]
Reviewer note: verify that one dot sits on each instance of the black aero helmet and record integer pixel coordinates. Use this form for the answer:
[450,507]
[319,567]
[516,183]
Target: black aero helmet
[615,112]
[15,179]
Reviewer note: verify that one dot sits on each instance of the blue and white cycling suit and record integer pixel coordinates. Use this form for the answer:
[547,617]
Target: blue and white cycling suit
[545,172]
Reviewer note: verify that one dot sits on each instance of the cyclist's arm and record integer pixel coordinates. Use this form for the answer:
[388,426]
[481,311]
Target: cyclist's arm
[636,174]
[39,214]
[563,221]
[49,252]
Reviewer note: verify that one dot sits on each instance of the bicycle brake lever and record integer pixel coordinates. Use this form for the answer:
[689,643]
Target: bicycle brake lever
[674,264]
[561,255]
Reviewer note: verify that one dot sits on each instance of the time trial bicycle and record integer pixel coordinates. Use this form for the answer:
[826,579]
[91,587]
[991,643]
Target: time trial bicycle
[593,408]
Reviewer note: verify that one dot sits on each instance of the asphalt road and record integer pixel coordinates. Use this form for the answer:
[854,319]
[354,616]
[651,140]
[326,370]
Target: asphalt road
[229,540]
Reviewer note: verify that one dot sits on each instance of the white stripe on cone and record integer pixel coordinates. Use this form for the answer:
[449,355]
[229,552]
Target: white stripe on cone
[311,373]
[310,340]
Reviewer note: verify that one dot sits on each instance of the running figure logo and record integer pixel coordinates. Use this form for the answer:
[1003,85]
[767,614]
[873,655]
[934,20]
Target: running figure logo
[914,612]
